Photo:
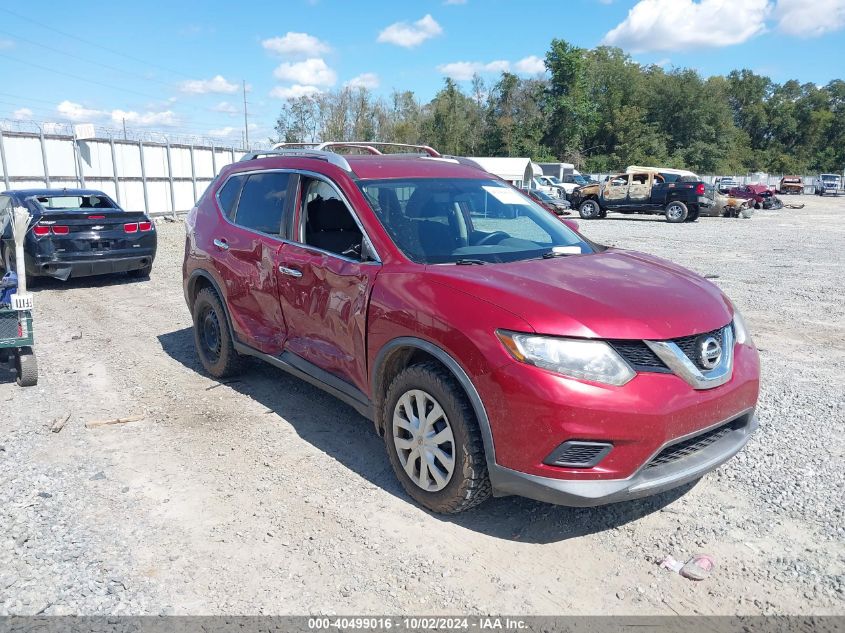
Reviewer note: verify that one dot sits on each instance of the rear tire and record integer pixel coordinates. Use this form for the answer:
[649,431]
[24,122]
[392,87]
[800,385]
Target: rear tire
[409,438]
[212,337]
[26,366]
[676,212]
[693,216]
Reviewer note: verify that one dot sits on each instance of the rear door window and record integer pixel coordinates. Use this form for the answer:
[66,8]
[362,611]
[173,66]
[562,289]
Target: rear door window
[262,203]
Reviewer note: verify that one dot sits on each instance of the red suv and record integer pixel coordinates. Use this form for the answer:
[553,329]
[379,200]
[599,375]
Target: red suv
[495,349]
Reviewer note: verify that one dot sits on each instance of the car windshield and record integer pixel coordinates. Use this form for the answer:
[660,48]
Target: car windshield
[543,195]
[554,180]
[468,221]
[86,201]
[829,178]
[580,180]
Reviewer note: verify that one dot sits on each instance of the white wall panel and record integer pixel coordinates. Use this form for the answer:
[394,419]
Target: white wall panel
[23,156]
[132,195]
[128,160]
[61,160]
[184,191]
[181,157]
[96,158]
[159,196]
[203,163]
[155,161]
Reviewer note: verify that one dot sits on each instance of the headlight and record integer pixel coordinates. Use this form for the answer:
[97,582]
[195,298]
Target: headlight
[740,330]
[577,358]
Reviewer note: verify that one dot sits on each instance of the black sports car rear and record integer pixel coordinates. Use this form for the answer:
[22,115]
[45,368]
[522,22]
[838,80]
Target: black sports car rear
[77,233]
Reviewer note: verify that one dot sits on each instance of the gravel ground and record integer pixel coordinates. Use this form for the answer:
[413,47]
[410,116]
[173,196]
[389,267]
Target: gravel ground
[265,496]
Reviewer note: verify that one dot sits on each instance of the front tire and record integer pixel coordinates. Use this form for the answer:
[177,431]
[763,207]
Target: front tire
[212,338]
[676,212]
[433,440]
[589,210]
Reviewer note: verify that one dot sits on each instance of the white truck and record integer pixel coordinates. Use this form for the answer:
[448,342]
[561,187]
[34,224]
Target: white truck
[828,183]
[563,178]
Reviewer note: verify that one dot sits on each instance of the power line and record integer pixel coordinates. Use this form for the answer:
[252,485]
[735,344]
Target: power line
[93,43]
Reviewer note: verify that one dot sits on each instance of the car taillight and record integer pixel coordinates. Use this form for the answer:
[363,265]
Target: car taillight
[145,226]
[131,227]
[699,190]
[96,217]
[61,230]
[41,231]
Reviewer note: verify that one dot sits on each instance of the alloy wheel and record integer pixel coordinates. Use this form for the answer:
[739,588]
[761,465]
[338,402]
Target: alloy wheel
[423,440]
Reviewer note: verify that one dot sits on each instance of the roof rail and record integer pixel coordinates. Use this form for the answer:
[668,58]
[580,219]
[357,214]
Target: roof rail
[369,146]
[301,150]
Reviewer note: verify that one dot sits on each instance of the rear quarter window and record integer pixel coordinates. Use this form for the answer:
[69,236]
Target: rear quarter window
[227,197]
[262,202]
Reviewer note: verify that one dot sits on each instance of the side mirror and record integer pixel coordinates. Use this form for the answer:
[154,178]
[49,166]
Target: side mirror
[572,224]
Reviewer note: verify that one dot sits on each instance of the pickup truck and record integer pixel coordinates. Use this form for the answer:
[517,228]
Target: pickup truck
[679,198]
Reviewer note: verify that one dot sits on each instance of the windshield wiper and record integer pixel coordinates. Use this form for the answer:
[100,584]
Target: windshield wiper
[469,262]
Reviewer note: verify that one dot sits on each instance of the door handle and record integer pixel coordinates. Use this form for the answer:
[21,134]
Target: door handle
[222,245]
[290,272]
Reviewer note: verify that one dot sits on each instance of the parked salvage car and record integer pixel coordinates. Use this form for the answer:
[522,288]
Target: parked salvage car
[828,183]
[680,200]
[759,196]
[495,352]
[790,185]
[558,206]
[725,184]
[77,233]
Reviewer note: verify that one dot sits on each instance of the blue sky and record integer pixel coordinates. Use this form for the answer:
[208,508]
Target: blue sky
[178,66]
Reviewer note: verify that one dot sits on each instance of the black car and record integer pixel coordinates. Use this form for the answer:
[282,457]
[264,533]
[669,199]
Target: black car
[77,233]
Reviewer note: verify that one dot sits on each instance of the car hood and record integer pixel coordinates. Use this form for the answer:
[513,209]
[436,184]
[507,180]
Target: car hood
[614,294]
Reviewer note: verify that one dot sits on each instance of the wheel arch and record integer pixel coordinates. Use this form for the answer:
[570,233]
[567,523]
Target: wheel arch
[402,352]
[198,281]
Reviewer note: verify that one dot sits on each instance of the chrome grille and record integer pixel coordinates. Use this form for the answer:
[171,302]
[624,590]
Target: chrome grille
[688,346]
[639,355]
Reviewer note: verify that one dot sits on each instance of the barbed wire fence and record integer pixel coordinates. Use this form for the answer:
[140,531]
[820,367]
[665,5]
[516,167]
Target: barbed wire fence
[50,128]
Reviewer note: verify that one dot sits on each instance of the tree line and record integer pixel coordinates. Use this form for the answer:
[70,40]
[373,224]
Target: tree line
[601,110]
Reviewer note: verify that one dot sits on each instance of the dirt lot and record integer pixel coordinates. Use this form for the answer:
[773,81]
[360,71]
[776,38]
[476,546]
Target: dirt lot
[265,496]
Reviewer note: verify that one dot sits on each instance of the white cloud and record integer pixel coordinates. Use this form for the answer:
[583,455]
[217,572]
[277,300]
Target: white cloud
[151,118]
[296,44]
[364,80]
[411,35]
[670,25]
[223,131]
[312,71]
[166,118]
[5,43]
[531,65]
[810,18]
[226,108]
[216,84]
[77,112]
[294,92]
[23,114]
[461,71]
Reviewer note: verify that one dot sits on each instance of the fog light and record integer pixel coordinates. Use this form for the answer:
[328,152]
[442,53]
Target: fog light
[577,454]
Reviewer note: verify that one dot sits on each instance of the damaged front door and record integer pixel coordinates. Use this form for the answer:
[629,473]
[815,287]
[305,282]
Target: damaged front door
[615,190]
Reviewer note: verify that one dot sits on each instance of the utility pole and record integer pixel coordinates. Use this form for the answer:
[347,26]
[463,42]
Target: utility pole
[246,120]
[124,128]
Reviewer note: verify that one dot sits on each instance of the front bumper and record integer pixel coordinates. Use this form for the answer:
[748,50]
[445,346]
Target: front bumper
[532,412]
[645,482]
